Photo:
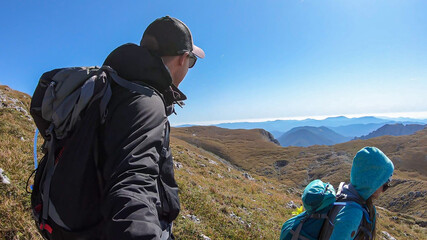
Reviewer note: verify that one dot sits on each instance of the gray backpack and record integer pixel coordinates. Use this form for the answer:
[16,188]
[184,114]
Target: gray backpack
[68,106]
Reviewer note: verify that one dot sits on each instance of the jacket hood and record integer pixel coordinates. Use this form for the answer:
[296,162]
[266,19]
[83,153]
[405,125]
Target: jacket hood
[370,170]
[137,64]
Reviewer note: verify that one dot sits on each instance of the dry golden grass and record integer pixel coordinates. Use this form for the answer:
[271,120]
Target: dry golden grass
[16,132]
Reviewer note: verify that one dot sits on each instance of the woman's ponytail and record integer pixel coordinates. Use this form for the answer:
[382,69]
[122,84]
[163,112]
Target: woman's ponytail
[372,213]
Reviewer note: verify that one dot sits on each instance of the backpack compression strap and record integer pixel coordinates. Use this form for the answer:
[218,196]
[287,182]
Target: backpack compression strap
[297,233]
[48,209]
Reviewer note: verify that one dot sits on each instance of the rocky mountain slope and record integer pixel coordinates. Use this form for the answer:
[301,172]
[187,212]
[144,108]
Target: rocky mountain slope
[220,200]
[396,129]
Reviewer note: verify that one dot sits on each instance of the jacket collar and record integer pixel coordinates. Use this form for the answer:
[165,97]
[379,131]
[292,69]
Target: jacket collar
[137,64]
[349,193]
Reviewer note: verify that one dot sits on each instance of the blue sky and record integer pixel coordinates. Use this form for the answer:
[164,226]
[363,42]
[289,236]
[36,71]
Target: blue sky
[264,59]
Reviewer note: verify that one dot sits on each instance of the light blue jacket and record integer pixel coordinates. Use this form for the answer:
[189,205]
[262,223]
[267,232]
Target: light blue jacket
[370,170]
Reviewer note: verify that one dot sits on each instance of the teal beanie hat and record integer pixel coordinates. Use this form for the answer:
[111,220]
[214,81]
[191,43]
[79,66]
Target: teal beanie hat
[371,169]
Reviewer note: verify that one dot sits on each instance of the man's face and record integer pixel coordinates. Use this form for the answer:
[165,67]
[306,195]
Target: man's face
[181,69]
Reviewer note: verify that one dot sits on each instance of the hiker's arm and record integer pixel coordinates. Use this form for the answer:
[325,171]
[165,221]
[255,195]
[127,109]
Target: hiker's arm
[347,222]
[130,205]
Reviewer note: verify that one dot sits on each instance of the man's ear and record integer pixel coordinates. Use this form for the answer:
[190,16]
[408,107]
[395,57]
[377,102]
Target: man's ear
[182,58]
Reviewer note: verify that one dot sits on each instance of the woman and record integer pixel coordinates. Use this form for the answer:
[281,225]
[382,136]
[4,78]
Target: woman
[370,176]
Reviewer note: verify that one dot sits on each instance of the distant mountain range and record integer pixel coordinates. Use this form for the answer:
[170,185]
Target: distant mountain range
[308,136]
[355,130]
[396,129]
[349,127]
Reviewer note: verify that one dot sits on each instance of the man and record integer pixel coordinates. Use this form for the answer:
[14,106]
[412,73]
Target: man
[141,195]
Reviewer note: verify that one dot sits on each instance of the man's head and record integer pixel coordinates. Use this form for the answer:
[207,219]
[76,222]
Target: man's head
[171,39]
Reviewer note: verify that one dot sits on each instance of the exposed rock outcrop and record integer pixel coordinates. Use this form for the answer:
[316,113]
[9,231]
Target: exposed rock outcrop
[6,101]
[269,136]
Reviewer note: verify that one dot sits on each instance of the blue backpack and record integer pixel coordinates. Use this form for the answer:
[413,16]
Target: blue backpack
[317,221]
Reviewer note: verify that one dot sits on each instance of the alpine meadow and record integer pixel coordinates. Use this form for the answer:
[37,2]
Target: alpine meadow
[234,184]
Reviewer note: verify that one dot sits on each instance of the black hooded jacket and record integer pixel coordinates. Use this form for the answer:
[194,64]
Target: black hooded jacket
[140,190]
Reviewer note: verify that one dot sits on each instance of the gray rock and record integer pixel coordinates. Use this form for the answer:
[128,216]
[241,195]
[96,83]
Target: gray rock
[239,219]
[421,223]
[3,178]
[232,215]
[193,218]
[291,204]
[248,176]
[387,236]
[213,162]
[204,237]
[178,165]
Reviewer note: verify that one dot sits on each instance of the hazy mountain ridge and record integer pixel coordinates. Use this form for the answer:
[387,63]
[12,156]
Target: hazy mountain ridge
[396,129]
[349,127]
[357,130]
[308,136]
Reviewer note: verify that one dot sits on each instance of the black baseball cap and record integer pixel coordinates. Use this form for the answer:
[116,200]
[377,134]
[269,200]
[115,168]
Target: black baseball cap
[168,36]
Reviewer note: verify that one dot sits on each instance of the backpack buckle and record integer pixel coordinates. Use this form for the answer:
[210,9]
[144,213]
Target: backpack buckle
[50,130]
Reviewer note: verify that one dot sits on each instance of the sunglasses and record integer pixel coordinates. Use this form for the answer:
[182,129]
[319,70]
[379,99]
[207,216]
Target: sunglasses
[193,59]
[386,185]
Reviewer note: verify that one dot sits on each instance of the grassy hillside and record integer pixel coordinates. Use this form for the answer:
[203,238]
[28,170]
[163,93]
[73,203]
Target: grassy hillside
[228,204]
[218,199]
[16,133]
[296,166]
[213,191]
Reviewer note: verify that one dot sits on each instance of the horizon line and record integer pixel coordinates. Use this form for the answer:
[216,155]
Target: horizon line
[412,115]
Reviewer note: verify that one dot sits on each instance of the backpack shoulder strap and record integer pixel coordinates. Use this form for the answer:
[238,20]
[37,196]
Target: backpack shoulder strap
[296,234]
[127,84]
[328,226]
